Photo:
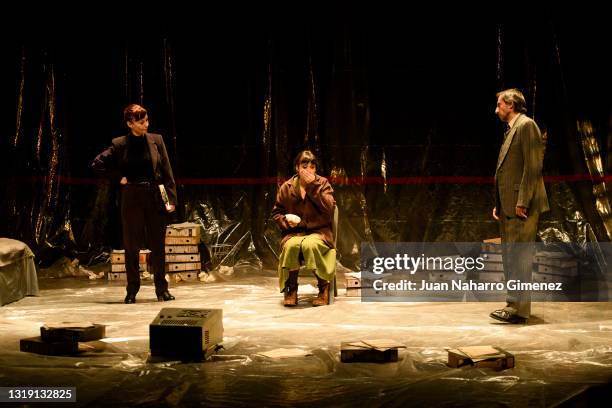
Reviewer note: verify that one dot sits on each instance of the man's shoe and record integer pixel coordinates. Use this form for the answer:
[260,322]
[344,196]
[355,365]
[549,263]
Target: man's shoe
[130,298]
[164,297]
[508,317]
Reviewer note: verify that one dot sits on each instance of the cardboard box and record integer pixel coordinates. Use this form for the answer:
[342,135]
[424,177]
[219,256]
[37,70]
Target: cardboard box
[183,258]
[496,241]
[558,259]
[185,266]
[55,348]
[118,256]
[493,267]
[480,356]
[570,271]
[366,351]
[491,277]
[491,257]
[353,283]
[182,249]
[550,278]
[122,276]
[80,331]
[492,245]
[443,276]
[186,276]
[182,240]
[370,292]
[353,292]
[185,229]
[121,267]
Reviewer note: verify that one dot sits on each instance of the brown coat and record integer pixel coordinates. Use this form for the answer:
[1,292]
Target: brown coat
[518,177]
[316,209]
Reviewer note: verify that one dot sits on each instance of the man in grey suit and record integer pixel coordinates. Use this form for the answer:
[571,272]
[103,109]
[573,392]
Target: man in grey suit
[520,198]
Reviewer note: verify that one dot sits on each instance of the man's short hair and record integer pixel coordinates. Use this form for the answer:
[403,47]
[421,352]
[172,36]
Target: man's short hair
[515,98]
[133,113]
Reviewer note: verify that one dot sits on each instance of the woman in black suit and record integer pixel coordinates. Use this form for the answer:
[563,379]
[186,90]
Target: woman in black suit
[139,162]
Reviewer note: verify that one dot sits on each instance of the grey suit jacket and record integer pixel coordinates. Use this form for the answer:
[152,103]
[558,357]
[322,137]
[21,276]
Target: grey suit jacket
[111,160]
[518,177]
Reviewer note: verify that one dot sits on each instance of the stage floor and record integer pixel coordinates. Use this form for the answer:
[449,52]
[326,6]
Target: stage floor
[563,356]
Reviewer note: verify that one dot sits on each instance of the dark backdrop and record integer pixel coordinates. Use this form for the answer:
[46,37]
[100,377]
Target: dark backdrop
[398,106]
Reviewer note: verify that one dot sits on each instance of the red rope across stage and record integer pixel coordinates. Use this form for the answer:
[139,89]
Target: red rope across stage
[357,180]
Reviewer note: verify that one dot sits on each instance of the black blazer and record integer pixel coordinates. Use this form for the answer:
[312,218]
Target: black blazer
[111,160]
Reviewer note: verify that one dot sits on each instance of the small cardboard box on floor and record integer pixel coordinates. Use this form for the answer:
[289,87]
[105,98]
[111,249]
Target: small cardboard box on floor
[370,351]
[480,356]
[63,338]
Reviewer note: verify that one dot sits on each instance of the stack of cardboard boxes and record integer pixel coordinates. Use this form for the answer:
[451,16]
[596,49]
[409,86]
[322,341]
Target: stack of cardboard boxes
[491,254]
[555,267]
[182,252]
[118,271]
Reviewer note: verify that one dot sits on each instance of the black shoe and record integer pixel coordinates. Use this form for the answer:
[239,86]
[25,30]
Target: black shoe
[130,298]
[508,317]
[164,297]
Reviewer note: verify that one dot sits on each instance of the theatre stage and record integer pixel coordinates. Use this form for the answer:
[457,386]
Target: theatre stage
[563,356]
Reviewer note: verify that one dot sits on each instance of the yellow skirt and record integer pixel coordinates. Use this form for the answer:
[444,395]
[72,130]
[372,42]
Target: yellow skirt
[317,257]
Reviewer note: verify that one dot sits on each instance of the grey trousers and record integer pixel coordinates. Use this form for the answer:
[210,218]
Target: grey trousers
[518,248]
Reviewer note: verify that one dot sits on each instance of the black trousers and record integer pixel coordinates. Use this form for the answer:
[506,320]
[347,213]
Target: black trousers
[144,223]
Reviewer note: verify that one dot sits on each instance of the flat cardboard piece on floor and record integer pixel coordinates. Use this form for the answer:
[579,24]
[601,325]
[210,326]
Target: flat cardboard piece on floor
[480,356]
[369,351]
[80,331]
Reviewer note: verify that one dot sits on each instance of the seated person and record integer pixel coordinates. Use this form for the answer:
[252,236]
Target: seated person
[304,211]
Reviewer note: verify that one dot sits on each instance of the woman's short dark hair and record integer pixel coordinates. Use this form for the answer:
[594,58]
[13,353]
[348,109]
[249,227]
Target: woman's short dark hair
[305,156]
[133,113]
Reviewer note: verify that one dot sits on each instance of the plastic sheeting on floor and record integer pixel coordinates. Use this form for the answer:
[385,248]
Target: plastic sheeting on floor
[563,352]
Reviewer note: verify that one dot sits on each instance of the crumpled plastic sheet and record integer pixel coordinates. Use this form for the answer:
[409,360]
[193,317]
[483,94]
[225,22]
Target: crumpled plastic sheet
[563,352]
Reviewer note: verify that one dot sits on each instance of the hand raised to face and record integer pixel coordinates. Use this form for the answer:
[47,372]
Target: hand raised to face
[307,175]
